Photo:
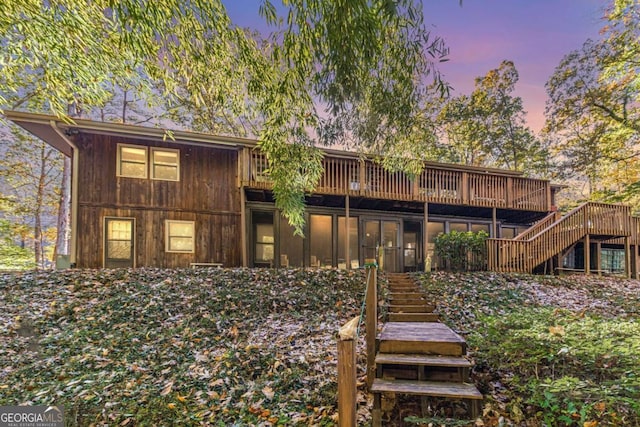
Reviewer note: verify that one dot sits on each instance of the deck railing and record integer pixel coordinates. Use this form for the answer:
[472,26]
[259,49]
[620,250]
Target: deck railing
[523,255]
[538,226]
[442,185]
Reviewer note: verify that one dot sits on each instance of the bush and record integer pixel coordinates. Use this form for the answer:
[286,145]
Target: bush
[462,251]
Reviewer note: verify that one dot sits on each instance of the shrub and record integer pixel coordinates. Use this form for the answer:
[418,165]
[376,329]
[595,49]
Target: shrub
[462,251]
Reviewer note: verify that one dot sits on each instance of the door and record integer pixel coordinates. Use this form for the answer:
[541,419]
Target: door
[381,243]
[412,245]
[119,244]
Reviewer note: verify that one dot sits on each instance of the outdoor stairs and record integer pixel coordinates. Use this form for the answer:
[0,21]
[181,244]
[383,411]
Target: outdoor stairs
[418,355]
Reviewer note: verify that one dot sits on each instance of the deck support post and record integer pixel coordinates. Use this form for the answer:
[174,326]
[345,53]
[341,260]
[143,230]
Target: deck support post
[243,226]
[494,223]
[599,258]
[347,374]
[627,257]
[425,237]
[636,260]
[347,255]
[587,254]
[371,314]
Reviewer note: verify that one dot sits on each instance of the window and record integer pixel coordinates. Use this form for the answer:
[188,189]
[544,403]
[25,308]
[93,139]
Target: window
[354,255]
[132,161]
[460,227]
[508,232]
[321,244]
[476,228]
[264,238]
[291,245]
[180,236]
[165,164]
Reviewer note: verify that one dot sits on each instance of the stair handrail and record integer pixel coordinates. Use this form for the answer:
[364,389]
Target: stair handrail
[565,218]
[543,223]
[347,347]
[495,247]
[542,239]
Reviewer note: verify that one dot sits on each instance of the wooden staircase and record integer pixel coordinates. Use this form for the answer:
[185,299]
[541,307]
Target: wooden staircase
[418,355]
[551,236]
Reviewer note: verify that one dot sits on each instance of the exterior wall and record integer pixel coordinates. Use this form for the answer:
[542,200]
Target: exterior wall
[362,216]
[206,193]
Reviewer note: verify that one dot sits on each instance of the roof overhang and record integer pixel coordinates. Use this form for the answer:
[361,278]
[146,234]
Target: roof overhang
[47,128]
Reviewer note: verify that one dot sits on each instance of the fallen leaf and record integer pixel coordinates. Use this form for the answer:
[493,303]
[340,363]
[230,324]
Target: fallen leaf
[268,393]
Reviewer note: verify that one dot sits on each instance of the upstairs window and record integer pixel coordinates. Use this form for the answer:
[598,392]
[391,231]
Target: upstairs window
[180,236]
[135,161]
[132,161]
[165,164]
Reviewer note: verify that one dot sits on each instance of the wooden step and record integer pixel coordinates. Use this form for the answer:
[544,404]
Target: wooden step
[415,295]
[413,317]
[427,388]
[407,301]
[420,338]
[413,308]
[422,360]
[405,289]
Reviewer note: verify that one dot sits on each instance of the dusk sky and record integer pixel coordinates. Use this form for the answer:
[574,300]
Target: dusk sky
[534,34]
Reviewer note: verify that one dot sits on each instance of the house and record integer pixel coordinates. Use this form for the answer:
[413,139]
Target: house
[141,198]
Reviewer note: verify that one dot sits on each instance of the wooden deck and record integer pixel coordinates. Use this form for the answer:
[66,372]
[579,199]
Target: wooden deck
[347,174]
[422,358]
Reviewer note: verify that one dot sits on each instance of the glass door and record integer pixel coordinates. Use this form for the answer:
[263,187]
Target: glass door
[381,244]
[391,244]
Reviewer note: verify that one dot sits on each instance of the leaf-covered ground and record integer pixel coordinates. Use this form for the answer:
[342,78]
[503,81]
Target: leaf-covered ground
[549,351]
[258,347]
[176,347]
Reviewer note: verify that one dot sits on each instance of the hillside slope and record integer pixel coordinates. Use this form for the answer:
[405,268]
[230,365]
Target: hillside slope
[258,347]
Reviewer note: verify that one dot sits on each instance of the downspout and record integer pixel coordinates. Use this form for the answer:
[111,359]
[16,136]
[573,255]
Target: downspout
[74,191]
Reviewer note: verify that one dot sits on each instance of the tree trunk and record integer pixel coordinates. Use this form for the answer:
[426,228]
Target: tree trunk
[64,205]
[37,213]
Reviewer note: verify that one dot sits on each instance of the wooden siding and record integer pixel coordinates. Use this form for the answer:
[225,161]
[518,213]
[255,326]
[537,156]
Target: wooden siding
[445,185]
[208,180]
[207,193]
[214,232]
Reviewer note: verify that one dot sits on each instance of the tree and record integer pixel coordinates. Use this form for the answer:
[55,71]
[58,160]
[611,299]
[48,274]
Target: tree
[591,119]
[621,64]
[461,130]
[346,56]
[32,170]
[488,127]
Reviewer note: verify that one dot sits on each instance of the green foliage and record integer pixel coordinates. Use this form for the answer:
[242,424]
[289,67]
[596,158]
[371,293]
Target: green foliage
[462,251]
[552,351]
[593,113]
[370,60]
[488,127]
[31,171]
[176,347]
[12,256]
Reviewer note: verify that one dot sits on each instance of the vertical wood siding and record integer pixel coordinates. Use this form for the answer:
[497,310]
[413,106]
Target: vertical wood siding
[207,193]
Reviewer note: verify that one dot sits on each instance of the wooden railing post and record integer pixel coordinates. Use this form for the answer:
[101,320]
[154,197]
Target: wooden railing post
[347,390]
[371,313]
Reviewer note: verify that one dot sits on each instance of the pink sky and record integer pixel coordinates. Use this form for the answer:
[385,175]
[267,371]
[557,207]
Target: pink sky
[534,34]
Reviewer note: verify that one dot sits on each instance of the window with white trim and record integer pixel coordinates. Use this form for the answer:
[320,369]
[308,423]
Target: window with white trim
[132,161]
[165,164]
[179,236]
